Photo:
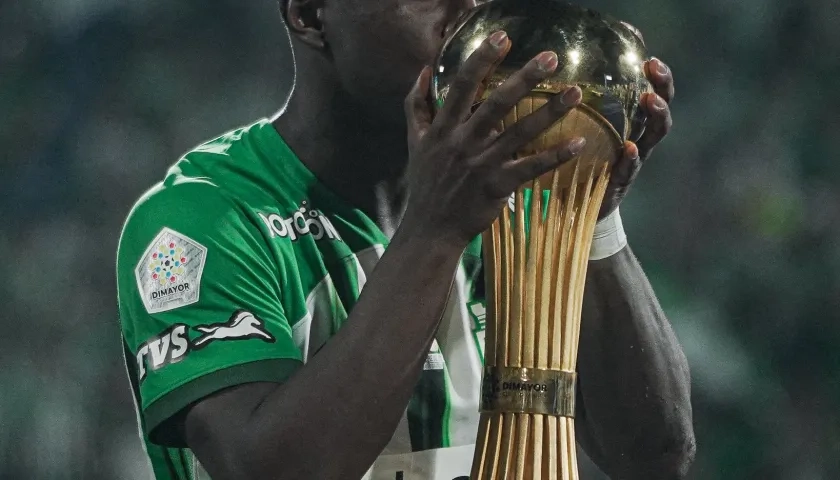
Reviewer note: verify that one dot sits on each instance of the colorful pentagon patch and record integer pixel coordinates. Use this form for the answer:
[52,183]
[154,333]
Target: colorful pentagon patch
[169,273]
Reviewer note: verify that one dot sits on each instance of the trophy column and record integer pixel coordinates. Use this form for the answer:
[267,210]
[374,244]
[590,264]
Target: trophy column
[536,260]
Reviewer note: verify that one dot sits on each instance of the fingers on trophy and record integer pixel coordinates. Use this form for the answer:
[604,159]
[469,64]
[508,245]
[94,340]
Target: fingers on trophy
[537,251]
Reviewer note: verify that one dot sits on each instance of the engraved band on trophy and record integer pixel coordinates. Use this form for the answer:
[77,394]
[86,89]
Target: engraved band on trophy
[537,251]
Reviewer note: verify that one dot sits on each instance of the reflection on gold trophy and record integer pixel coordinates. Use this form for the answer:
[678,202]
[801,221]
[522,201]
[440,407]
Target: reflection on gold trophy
[537,251]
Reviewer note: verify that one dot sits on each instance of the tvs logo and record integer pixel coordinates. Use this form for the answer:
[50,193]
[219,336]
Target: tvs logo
[170,346]
[169,273]
[173,344]
[168,263]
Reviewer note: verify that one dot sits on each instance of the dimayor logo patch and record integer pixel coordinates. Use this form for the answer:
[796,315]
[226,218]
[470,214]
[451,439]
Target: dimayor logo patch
[168,263]
[304,221]
[169,273]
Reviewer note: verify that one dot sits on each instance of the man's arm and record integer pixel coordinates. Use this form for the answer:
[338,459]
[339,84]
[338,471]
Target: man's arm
[333,417]
[635,418]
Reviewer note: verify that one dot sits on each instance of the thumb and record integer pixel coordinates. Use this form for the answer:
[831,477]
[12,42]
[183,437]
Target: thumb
[627,167]
[418,109]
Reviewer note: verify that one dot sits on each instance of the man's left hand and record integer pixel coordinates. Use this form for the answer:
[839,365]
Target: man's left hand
[656,106]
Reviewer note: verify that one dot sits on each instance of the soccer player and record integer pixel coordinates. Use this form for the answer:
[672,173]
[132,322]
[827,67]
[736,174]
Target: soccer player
[301,298]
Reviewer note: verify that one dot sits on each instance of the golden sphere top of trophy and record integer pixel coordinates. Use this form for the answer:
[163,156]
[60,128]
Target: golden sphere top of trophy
[602,55]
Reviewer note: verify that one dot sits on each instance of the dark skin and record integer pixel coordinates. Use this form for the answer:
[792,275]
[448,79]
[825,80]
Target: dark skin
[347,121]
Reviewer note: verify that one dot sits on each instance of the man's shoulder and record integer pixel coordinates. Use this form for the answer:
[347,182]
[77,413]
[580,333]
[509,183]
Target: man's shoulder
[192,209]
[180,198]
[233,143]
[208,181]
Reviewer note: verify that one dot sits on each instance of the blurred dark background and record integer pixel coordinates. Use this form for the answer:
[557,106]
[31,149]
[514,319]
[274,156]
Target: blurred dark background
[736,218]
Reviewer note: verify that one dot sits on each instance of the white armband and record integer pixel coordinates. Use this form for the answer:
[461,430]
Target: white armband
[609,237]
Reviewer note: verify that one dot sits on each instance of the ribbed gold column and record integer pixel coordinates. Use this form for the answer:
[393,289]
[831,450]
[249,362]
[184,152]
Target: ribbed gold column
[535,283]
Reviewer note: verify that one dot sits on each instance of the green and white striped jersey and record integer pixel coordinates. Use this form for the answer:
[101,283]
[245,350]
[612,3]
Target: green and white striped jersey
[239,267]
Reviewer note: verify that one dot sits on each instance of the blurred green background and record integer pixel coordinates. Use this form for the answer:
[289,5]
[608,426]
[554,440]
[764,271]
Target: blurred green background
[736,218]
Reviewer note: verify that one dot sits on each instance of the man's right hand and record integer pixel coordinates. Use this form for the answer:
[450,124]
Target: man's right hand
[461,169]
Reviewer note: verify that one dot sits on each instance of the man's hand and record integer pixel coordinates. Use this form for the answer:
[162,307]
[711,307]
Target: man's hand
[461,171]
[656,106]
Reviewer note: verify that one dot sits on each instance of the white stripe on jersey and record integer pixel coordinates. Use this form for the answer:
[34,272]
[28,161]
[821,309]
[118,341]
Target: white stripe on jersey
[463,364]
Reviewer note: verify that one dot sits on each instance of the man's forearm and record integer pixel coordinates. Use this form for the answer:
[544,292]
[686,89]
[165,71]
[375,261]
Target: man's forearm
[352,411]
[634,377]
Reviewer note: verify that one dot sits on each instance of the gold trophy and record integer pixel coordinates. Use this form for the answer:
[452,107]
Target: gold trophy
[536,253]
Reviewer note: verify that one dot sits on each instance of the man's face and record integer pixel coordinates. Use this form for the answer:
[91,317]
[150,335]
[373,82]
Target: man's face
[380,46]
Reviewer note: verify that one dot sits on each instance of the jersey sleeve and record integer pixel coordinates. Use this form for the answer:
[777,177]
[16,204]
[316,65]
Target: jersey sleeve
[200,302]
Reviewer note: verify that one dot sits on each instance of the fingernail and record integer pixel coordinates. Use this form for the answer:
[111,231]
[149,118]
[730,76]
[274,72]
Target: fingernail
[661,68]
[547,61]
[498,39]
[572,96]
[576,145]
[659,103]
